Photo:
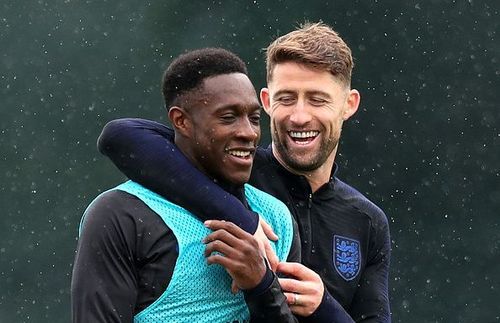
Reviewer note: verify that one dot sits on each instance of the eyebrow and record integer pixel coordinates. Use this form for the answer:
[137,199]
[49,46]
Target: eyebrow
[280,92]
[311,92]
[255,107]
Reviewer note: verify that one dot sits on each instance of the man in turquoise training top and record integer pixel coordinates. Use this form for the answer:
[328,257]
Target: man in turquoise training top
[141,257]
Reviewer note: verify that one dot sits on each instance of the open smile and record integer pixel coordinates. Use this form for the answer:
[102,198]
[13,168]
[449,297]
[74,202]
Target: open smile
[242,156]
[303,137]
[239,153]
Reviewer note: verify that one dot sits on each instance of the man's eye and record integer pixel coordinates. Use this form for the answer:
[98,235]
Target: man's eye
[286,100]
[255,118]
[317,101]
[227,117]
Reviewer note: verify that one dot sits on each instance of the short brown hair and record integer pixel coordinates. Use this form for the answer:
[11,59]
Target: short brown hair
[314,45]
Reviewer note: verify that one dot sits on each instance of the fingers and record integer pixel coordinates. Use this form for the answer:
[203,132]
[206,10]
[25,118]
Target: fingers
[268,230]
[221,247]
[227,226]
[291,285]
[302,297]
[303,288]
[300,304]
[297,270]
[222,243]
[291,299]
[237,251]
[229,234]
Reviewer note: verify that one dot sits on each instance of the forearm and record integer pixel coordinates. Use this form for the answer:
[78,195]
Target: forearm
[371,302]
[144,151]
[329,311]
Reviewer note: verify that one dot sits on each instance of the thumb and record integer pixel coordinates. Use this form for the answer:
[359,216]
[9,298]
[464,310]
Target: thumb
[271,256]
[234,287]
[268,230]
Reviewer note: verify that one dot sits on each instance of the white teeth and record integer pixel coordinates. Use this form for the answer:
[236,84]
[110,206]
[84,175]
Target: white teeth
[239,153]
[303,134]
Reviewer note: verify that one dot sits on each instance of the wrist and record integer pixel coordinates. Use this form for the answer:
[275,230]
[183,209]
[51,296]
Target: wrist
[263,285]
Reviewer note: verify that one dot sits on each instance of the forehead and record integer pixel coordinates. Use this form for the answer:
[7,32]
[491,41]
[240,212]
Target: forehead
[294,76]
[233,89]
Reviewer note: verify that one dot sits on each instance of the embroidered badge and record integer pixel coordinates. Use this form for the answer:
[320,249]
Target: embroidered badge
[347,257]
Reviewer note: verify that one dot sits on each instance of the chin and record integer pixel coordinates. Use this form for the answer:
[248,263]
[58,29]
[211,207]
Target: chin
[239,181]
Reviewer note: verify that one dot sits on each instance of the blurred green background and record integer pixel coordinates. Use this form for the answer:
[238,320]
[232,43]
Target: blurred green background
[424,144]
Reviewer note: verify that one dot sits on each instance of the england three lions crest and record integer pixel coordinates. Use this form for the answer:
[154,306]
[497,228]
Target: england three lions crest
[347,257]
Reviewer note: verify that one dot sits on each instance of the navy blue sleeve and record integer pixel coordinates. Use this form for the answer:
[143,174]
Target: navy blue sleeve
[144,151]
[268,304]
[329,311]
[371,302]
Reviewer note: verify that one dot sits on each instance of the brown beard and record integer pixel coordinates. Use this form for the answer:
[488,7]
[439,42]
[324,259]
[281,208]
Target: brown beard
[306,164]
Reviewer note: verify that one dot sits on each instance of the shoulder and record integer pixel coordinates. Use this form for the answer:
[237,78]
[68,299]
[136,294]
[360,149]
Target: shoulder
[379,235]
[112,203]
[116,211]
[111,200]
[352,197]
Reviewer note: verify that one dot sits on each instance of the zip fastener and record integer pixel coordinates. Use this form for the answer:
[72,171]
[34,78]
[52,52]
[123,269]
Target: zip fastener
[309,246]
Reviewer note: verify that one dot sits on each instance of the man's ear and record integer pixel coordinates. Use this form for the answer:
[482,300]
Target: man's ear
[265,100]
[181,120]
[352,104]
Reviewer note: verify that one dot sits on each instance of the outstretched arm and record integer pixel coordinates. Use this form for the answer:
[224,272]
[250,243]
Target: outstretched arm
[144,151]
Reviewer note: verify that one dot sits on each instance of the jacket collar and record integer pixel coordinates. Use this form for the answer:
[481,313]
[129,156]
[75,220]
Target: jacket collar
[298,185]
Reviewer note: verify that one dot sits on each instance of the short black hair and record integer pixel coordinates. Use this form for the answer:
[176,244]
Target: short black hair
[188,70]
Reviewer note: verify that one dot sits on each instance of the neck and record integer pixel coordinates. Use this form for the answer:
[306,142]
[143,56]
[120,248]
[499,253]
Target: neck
[317,177]
[234,189]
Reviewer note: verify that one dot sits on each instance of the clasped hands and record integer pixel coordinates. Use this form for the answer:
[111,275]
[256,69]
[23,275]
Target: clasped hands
[244,255]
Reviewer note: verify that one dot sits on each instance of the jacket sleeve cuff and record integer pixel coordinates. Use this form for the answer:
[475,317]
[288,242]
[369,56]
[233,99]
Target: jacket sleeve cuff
[268,305]
[262,287]
[329,310]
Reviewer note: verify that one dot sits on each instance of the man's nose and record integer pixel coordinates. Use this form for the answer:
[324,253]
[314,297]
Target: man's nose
[248,130]
[300,113]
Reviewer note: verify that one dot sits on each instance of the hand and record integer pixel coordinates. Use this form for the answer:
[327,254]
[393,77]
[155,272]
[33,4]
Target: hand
[303,289]
[238,252]
[262,235]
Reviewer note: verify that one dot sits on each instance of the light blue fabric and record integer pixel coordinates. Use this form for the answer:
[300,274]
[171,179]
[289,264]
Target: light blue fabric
[198,292]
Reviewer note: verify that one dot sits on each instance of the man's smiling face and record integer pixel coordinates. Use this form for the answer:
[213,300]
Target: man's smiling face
[307,108]
[226,128]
